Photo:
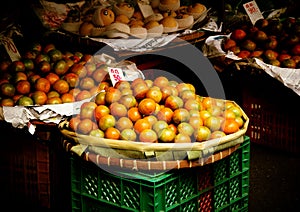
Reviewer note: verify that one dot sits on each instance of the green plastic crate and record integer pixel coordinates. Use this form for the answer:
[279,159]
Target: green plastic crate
[220,186]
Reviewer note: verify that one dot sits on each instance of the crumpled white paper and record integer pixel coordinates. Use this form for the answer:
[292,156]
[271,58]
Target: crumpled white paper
[137,45]
[20,116]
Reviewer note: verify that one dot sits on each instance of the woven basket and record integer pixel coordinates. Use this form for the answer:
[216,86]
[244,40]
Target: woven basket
[128,150]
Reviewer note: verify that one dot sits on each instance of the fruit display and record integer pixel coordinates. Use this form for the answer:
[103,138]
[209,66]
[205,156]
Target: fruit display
[46,75]
[275,42]
[156,111]
[125,19]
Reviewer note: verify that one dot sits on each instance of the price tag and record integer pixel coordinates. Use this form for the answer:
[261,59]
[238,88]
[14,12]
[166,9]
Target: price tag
[253,11]
[116,74]
[145,8]
[10,48]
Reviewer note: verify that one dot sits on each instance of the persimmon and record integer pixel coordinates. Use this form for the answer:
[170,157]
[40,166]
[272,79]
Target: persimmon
[147,106]
[148,135]
[39,97]
[141,125]
[42,84]
[112,133]
[61,86]
[134,114]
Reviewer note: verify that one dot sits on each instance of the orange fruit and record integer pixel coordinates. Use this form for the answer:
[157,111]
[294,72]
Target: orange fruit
[19,76]
[67,98]
[195,122]
[229,114]
[39,97]
[147,106]
[8,89]
[42,84]
[167,91]
[217,134]
[87,110]
[118,110]
[192,104]
[112,133]
[165,114]
[148,135]
[72,79]
[100,111]
[182,87]
[61,86]
[73,123]
[121,85]
[85,126]
[134,114]
[202,133]
[236,110]
[174,102]
[106,121]
[182,138]
[159,125]
[161,81]
[208,102]
[240,121]
[87,83]
[187,94]
[213,123]
[25,101]
[204,114]
[54,100]
[53,94]
[7,102]
[230,126]
[128,135]
[99,75]
[100,98]
[84,94]
[112,95]
[128,100]
[23,87]
[97,133]
[60,67]
[52,77]
[140,90]
[124,123]
[78,69]
[141,125]
[181,115]
[151,118]
[32,79]
[137,81]
[166,135]
[185,128]
[155,94]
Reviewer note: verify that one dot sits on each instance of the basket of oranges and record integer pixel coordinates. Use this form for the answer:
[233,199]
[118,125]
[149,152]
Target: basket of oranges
[154,120]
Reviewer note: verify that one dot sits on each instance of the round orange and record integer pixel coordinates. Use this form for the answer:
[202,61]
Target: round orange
[134,114]
[141,125]
[42,84]
[112,133]
[147,106]
[148,135]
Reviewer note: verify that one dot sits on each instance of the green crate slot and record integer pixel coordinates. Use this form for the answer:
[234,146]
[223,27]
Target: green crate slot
[221,186]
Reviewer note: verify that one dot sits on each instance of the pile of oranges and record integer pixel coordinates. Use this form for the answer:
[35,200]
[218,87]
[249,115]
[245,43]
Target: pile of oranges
[47,75]
[159,110]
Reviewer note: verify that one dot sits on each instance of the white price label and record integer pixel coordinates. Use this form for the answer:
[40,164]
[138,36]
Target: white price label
[10,48]
[253,11]
[116,75]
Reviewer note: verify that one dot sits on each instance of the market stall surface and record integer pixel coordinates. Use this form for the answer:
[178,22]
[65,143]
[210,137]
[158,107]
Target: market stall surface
[274,180]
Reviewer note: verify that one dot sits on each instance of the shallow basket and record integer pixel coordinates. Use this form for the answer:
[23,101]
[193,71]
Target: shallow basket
[118,152]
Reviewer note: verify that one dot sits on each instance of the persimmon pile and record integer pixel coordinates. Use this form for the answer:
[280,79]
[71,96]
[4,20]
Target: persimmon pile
[273,41]
[156,110]
[46,75]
